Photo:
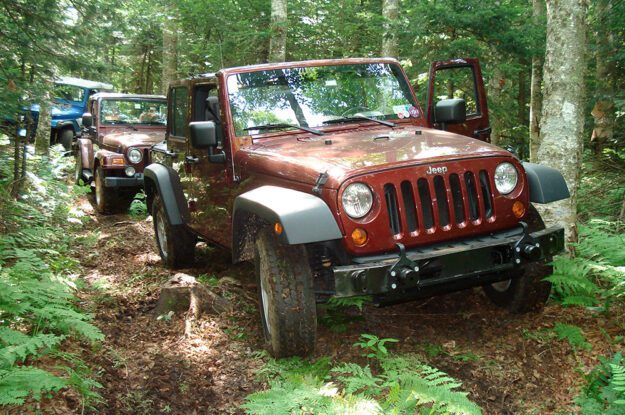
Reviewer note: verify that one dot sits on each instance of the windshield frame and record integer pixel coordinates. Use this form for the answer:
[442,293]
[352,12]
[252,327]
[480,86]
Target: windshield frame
[401,75]
[104,123]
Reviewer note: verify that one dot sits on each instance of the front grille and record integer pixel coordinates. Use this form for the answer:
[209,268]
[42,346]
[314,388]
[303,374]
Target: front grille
[433,203]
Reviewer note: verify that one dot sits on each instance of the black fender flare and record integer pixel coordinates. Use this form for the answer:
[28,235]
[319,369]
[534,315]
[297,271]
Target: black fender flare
[304,218]
[161,179]
[546,184]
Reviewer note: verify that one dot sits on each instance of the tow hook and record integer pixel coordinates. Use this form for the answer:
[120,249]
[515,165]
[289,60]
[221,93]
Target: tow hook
[402,269]
[527,247]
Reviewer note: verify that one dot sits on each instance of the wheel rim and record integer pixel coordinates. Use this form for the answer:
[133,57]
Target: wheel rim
[264,297]
[161,234]
[501,286]
[98,189]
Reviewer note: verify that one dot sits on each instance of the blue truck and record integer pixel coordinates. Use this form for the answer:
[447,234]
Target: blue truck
[71,96]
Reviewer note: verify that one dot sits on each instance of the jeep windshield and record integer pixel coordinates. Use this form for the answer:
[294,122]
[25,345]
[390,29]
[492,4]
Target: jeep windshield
[144,112]
[314,96]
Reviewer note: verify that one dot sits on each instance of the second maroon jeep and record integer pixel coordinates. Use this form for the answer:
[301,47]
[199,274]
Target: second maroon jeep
[119,130]
[334,181]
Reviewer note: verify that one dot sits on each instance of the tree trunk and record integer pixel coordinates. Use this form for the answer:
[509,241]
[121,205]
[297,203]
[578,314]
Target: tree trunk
[495,88]
[603,111]
[42,137]
[390,11]
[170,55]
[562,124]
[279,26]
[535,86]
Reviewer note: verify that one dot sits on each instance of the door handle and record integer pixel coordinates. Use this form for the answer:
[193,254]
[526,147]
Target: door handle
[191,159]
[481,131]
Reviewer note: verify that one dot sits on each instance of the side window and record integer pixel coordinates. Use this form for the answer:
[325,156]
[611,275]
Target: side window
[179,116]
[457,82]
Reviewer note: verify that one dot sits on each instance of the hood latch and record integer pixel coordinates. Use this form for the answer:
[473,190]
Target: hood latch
[321,180]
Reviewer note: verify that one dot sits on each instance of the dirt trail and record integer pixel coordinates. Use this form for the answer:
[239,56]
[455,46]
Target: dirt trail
[148,365]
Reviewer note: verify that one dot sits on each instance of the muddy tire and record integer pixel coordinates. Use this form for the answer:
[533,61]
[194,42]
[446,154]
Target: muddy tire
[525,291]
[106,200]
[66,138]
[176,244]
[78,169]
[286,297]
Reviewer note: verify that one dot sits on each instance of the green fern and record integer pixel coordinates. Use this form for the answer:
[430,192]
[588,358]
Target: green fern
[573,335]
[17,383]
[604,393]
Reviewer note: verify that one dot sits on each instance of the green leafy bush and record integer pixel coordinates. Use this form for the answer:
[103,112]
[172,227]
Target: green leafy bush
[604,393]
[37,304]
[402,385]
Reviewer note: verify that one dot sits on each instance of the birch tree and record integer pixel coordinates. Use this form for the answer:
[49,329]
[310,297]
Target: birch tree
[390,12]
[170,54]
[562,124]
[279,25]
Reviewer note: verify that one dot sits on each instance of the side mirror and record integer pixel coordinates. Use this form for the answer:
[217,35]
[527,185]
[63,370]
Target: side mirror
[87,120]
[203,134]
[450,111]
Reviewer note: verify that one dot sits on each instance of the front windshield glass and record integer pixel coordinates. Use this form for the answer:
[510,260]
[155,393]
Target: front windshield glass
[309,96]
[71,93]
[145,112]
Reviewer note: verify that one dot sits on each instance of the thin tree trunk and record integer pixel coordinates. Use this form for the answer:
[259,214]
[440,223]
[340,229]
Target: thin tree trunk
[603,111]
[170,55]
[562,124]
[390,11]
[535,86]
[279,26]
[42,137]
[495,88]
[522,96]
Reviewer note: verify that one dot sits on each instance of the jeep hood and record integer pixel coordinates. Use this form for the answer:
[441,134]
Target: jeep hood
[347,154]
[125,139]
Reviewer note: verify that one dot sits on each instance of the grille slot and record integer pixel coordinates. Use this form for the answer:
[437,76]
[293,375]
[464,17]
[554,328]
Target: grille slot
[441,200]
[474,207]
[426,203]
[486,194]
[456,194]
[409,205]
[393,210]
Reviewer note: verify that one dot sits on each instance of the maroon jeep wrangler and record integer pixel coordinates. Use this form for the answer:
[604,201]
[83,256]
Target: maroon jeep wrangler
[113,151]
[331,177]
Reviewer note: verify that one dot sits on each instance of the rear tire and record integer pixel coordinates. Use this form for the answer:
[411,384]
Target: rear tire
[286,296]
[176,244]
[525,291]
[66,138]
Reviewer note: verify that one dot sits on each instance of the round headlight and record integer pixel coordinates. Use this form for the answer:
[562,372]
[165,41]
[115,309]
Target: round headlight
[357,200]
[130,171]
[506,178]
[135,155]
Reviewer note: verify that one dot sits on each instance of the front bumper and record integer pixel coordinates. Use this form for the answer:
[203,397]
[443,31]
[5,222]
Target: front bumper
[448,266]
[135,181]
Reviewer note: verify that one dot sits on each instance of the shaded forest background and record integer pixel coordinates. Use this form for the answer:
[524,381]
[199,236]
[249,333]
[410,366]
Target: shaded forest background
[123,43]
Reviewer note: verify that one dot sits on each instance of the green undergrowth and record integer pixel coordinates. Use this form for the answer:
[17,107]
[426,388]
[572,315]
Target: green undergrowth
[386,384]
[38,308]
[604,392]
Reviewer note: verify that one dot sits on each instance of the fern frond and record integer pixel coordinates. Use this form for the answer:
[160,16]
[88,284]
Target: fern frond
[19,382]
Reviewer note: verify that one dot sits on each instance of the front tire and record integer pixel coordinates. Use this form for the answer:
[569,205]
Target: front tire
[105,198]
[286,296]
[78,169]
[525,291]
[176,244]
[66,138]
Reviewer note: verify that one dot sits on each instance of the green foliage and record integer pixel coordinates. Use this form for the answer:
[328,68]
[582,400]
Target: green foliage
[604,393]
[595,276]
[138,208]
[573,335]
[404,385]
[373,346]
[37,310]
[339,312]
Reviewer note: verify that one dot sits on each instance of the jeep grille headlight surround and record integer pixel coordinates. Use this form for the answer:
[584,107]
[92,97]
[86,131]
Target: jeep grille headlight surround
[135,155]
[506,178]
[357,200]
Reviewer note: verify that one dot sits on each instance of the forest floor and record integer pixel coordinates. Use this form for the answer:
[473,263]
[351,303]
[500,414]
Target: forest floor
[509,364]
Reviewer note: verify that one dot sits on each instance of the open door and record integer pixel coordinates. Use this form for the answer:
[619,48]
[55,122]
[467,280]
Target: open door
[460,78]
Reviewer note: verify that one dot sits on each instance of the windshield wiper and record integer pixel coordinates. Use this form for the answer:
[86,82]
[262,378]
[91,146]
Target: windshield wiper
[284,125]
[359,118]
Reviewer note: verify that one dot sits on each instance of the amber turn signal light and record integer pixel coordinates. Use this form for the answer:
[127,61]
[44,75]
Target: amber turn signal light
[518,208]
[359,236]
[119,161]
[277,228]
